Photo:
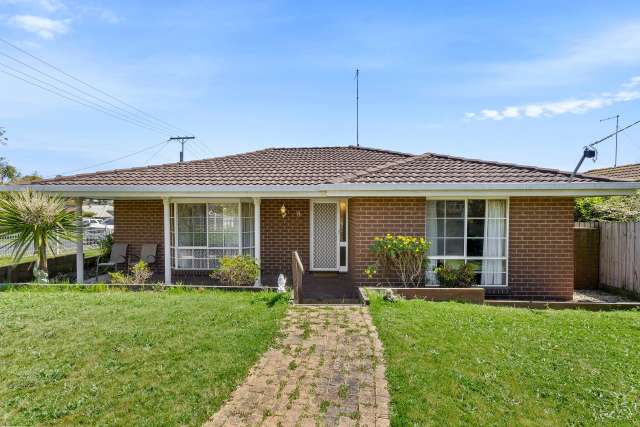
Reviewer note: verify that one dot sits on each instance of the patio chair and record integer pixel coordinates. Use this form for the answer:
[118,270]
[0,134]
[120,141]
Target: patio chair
[118,257]
[147,254]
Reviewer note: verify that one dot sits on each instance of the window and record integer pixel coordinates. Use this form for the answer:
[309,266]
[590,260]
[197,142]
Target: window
[470,231]
[205,232]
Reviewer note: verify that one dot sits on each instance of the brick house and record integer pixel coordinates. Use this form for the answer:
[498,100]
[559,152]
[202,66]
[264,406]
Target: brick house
[513,223]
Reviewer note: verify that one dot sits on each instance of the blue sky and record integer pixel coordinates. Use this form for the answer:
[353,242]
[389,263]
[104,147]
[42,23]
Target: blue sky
[523,83]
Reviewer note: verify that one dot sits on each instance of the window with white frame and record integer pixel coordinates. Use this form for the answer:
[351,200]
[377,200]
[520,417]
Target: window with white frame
[472,231]
[205,232]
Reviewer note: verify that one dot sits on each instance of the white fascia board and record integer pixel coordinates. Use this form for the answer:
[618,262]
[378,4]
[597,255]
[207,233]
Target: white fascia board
[337,190]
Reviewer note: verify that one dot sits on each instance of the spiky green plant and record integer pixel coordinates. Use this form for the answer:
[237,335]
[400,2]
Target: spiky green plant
[32,218]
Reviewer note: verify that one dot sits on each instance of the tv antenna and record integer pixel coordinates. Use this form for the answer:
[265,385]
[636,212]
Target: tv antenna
[590,152]
[357,77]
[617,117]
[181,140]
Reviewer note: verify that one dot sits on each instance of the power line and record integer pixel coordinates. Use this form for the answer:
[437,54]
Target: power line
[88,103]
[162,147]
[60,93]
[133,116]
[116,159]
[91,86]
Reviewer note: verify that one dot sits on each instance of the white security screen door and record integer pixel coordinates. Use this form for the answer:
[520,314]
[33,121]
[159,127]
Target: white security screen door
[324,235]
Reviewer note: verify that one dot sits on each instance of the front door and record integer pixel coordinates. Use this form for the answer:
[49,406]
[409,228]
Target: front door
[329,235]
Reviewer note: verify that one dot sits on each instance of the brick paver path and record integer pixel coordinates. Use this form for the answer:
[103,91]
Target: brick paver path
[327,370]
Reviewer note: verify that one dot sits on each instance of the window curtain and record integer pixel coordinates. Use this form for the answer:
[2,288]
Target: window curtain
[432,227]
[494,233]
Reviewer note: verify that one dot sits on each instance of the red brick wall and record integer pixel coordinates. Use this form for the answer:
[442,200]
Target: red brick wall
[371,217]
[137,222]
[279,237]
[541,247]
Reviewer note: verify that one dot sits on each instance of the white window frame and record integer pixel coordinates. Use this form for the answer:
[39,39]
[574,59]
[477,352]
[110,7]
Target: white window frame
[464,257]
[207,202]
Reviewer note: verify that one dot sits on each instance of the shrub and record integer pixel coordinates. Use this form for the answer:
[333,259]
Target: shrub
[460,277]
[401,256]
[118,278]
[238,270]
[139,273]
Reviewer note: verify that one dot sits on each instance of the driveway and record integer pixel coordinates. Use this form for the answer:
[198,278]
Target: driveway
[327,370]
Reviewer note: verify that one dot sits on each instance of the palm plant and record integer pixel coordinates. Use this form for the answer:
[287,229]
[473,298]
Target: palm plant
[30,218]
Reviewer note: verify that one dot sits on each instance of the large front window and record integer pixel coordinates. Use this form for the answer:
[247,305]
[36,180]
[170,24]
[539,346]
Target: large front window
[208,231]
[472,231]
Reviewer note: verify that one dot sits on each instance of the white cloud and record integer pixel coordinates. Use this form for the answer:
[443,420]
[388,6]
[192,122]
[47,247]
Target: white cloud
[43,27]
[571,62]
[633,82]
[48,5]
[566,106]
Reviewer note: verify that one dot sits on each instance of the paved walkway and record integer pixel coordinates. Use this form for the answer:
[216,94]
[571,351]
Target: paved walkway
[327,370]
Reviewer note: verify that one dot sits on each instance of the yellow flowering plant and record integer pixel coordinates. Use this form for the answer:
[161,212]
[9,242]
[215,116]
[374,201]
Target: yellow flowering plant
[400,256]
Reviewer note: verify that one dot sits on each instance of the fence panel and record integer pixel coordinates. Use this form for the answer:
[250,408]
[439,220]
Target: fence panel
[620,255]
[91,240]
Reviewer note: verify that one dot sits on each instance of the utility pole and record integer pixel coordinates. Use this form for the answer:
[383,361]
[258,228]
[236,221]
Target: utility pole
[357,107]
[181,140]
[617,117]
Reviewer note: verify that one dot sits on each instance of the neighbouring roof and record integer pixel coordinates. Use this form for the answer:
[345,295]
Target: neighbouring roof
[324,165]
[622,173]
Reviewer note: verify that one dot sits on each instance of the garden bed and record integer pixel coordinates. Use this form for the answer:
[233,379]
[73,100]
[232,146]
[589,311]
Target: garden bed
[471,295]
[58,265]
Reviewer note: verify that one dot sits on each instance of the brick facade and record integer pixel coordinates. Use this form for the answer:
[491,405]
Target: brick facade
[541,237]
[541,247]
[137,222]
[371,217]
[279,236]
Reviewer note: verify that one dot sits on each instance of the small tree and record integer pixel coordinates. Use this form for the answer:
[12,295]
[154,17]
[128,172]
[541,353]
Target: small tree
[35,219]
[3,139]
[8,172]
[402,256]
[614,208]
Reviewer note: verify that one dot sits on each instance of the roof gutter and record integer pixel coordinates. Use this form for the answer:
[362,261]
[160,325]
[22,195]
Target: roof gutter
[338,189]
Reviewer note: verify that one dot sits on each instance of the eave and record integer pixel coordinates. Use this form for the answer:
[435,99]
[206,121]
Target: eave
[572,189]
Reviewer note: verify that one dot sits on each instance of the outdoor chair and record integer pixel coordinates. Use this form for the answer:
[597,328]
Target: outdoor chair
[147,254]
[118,258]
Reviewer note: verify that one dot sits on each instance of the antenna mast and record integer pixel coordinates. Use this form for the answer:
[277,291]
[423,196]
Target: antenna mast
[617,117]
[590,151]
[357,107]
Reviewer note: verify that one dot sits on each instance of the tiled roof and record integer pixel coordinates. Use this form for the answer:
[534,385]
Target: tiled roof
[621,173]
[271,166]
[324,165]
[443,169]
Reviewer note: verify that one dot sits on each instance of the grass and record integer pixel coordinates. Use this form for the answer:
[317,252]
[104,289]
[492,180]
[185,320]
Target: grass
[8,260]
[453,364]
[127,358]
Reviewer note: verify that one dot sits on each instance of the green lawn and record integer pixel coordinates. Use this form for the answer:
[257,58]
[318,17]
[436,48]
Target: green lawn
[127,358]
[452,364]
